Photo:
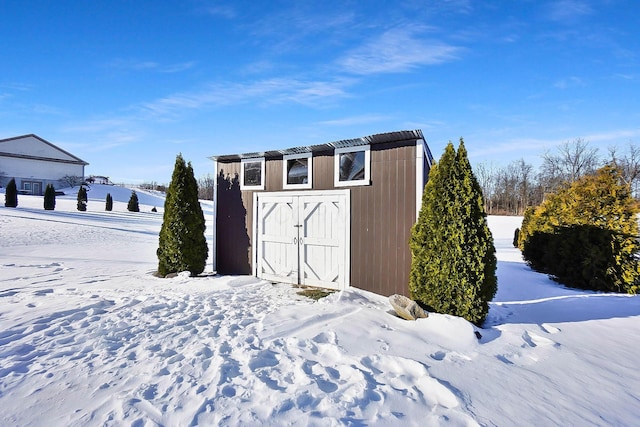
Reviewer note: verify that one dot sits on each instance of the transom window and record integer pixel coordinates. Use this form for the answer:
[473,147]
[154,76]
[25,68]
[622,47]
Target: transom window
[252,174]
[297,170]
[352,166]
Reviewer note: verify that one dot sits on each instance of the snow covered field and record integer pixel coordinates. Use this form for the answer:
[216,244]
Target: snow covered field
[89,337]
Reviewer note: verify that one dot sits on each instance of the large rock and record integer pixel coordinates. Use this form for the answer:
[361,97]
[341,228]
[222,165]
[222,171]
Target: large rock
[406,308]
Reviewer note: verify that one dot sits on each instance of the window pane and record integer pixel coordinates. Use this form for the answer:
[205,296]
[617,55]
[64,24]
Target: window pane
[252,173]
[297,171]
[352,166]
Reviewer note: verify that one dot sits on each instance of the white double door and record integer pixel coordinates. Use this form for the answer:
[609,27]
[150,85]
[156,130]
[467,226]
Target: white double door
[303,237]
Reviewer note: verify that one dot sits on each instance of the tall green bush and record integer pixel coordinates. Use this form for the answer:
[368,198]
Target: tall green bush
[109,203]
[133,205]
[49,198]
[82,198]
[11,194]
[586,235]
[453,255]
[182,245]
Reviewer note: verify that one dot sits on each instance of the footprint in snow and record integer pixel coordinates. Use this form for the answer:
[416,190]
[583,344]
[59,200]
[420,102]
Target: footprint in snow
[550,329]
[439,355]
[534,340]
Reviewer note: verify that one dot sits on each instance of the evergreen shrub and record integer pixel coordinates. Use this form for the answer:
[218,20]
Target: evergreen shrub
[82,198]
[11,194]
[109,203]
[133,206]
[586,235]
[49,198]
[453,256]
[182,243]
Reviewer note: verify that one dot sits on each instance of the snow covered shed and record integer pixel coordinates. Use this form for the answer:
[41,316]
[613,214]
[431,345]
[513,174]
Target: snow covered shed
[34,163]
[332,215]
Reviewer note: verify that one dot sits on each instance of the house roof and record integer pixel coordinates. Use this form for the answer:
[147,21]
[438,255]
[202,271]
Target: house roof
[380,138]
[74,159]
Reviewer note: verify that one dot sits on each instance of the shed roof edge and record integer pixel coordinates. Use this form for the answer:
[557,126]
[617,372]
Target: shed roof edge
[379,138]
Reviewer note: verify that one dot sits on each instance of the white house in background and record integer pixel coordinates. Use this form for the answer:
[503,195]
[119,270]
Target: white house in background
[35,162]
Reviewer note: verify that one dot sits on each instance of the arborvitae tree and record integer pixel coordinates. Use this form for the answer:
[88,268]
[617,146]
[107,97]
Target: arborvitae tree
[586,235]
[453,255]
[82,199]
[11,194]
[109,203]
[133,206]
[49,198]
[183,245]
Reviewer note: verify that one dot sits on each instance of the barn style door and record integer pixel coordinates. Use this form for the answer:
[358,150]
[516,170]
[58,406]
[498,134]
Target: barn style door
[302,238]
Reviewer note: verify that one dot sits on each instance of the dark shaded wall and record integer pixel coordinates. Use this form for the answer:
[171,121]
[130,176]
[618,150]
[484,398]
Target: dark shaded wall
[233,249]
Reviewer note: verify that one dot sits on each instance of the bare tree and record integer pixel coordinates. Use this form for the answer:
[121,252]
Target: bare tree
[524,185]
[509,189]
[573,160]
[485,173]
[71,180]
[629,165]
[205,187]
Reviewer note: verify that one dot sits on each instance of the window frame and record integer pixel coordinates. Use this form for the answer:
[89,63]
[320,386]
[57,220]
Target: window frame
[285,161]
[367,166]
[243,162]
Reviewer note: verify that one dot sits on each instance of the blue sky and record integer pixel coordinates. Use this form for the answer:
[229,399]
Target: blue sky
[127,85]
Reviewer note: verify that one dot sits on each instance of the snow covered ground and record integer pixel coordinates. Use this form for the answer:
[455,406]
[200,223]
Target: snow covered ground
[89,337]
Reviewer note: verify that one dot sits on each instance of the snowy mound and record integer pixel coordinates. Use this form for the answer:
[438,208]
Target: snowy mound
[98,193]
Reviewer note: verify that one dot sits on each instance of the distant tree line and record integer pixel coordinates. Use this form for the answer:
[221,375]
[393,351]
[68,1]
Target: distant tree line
[206,184]
[153,186]
[509,190]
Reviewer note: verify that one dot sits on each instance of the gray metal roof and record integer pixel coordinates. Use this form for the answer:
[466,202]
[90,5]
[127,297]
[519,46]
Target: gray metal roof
[76,160]
[404,135]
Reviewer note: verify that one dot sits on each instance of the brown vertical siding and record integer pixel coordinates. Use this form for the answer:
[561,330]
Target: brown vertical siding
[381,216]
[381,220]
[273,175]
[323,165]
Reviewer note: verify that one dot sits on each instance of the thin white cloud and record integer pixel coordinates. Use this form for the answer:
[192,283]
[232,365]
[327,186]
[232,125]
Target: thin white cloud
[106,134]
[519,145]
[265,92]
[23,87]
[304,21]
[614,135]
[395,51]
[48,110]
[569,82]
[536,146]
[569,10]
[222,11]
[135,65]
[426,125]
[356,120]
[627,76]
[96,126]
[176,68]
